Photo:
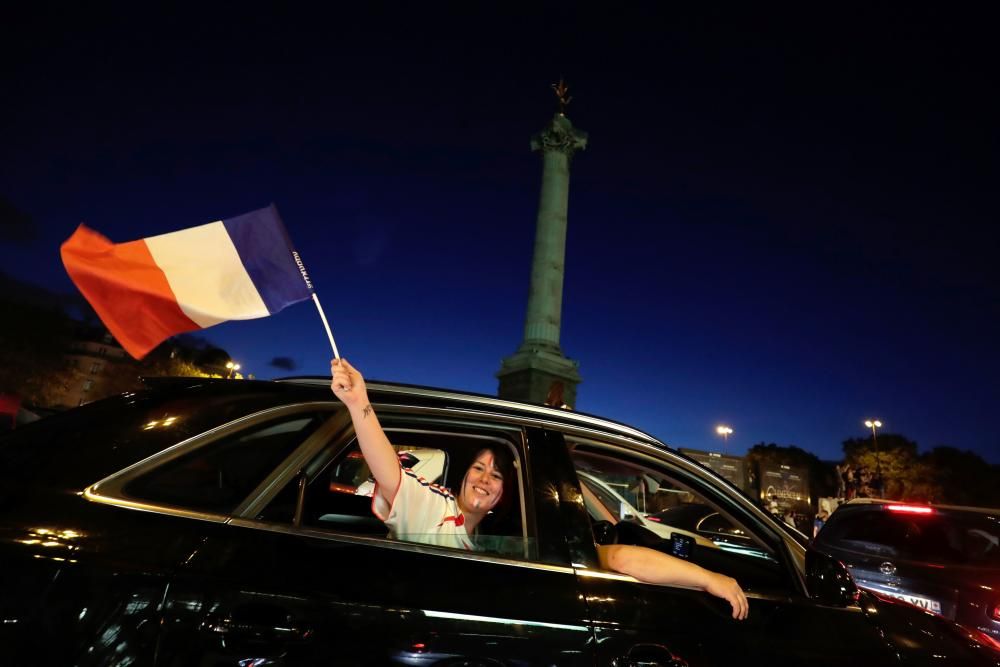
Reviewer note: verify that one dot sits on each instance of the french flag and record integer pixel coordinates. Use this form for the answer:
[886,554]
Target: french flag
[148,290]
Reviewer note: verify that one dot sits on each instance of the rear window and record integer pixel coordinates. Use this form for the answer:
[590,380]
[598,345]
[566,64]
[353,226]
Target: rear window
[944,538]
[77,447]
[217,476]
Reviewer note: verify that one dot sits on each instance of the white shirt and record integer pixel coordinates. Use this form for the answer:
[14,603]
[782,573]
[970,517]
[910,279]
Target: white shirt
[422,512]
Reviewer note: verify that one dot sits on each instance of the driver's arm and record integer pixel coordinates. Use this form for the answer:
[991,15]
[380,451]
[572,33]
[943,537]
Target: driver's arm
[655,567]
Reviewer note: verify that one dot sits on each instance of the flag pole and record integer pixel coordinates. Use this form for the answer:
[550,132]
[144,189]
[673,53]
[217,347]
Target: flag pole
[322,316]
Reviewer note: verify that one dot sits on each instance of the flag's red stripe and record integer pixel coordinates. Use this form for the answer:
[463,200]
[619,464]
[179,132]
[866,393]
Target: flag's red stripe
[127,289]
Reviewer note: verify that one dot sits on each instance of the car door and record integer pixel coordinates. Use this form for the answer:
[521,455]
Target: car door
[303,574]
[656,624]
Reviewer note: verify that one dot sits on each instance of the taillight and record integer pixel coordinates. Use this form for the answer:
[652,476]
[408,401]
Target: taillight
[653,518]
[910,509]
[996,613]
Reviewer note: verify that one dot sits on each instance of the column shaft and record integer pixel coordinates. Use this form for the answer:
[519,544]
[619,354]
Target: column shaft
[544,312]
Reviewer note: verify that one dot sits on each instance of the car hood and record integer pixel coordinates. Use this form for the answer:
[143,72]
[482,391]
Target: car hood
[921,637]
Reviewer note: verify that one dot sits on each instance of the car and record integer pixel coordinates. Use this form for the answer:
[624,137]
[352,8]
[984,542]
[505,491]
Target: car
[941,558]
[194,523]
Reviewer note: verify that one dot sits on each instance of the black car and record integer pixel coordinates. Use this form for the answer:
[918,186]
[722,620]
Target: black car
[216,523]
[942,559]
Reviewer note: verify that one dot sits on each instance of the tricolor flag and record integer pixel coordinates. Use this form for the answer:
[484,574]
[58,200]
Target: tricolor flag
[148,290]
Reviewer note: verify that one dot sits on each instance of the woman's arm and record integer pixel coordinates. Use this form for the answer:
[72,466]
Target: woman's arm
[655,567]
[348,385]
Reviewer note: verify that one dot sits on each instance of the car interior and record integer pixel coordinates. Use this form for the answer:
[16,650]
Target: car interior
[755,566]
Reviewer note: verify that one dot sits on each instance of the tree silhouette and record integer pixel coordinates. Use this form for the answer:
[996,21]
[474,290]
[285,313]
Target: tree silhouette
[33,341]
[964,477]
[903,474]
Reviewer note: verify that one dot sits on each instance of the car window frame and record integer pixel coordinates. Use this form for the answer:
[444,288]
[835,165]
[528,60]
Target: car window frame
[447,420]
[348,441]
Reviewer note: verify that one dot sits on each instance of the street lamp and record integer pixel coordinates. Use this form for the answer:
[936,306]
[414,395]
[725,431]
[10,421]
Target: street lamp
[233,367]
[725,432]
[874,424]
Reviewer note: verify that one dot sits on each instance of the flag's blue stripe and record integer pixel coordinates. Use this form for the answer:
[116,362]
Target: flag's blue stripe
[266,251]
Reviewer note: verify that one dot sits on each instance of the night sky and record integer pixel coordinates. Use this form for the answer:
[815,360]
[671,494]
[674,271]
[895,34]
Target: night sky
[785,222]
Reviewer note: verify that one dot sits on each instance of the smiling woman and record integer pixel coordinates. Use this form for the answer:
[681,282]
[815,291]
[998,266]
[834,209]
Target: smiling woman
[421,511]
[412,507]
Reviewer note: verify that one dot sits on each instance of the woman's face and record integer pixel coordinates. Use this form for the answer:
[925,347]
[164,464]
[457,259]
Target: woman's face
[483,484]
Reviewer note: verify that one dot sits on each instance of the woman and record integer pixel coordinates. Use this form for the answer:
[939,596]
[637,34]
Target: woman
[416,510]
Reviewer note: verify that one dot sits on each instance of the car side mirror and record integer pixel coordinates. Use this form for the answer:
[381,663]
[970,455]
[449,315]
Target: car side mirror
[828,581]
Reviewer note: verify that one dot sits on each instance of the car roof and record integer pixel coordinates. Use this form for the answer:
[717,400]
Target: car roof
[396,392]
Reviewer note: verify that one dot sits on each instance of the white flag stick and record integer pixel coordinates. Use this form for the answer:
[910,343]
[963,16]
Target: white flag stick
[322,316]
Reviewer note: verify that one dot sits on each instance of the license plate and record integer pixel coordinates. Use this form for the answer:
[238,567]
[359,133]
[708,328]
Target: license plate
[917,601]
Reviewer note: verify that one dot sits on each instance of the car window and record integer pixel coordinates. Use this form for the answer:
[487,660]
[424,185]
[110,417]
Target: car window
[943,538]
[678,518]
[618,506]
[79,446]
[338,489]
[217,476]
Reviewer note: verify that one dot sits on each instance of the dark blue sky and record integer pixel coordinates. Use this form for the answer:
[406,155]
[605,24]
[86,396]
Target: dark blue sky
[784,222]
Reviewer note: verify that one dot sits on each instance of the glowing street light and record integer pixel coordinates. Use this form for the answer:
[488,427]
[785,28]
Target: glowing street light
[233,367]
[874,424]
[725,432]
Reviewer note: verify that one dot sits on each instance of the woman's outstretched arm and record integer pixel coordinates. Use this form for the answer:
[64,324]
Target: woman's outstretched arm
[349,386]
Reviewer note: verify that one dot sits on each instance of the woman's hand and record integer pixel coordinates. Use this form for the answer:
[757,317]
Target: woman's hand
[728,589]
[348,385]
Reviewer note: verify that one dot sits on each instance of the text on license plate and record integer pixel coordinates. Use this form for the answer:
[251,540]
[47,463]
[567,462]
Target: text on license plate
[916,600]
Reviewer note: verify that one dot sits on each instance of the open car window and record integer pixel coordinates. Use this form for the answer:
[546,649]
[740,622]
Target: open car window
[654,508]
[334,491]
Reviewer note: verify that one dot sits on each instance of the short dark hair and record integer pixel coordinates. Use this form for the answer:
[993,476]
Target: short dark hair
[503,460]
[498,519]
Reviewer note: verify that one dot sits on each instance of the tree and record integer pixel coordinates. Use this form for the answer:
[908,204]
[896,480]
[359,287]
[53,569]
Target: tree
[33,340]
[38,337]
[964,477]
[904,475]
[167,360]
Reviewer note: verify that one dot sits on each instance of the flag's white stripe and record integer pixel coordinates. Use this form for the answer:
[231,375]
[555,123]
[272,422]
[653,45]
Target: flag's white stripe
[206,274]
